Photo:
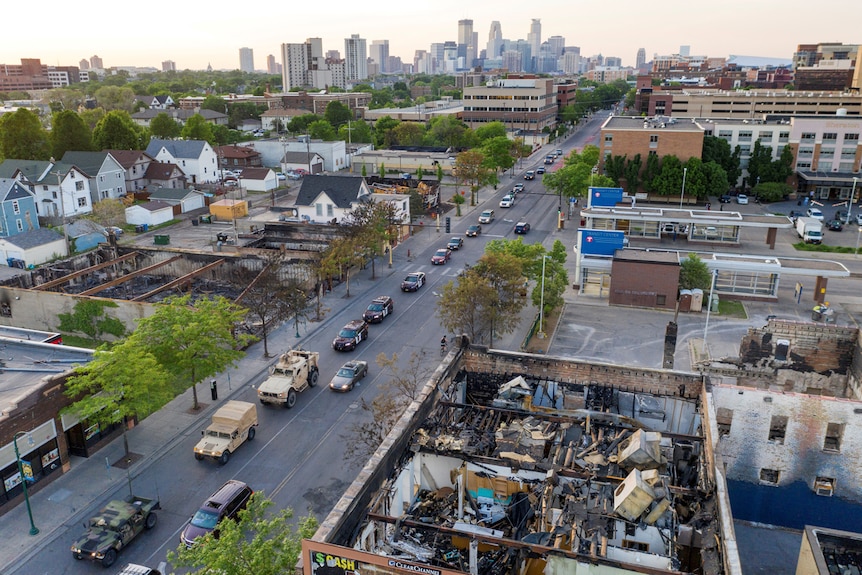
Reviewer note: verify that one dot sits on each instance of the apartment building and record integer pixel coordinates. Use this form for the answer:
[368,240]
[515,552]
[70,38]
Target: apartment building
[628,136]
[708,103]
[526,105]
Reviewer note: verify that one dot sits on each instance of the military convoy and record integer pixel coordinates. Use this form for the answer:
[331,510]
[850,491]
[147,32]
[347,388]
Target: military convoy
[294,372]
[114,527]
[232,424]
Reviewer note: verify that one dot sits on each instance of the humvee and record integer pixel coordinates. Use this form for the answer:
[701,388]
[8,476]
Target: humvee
[114,527]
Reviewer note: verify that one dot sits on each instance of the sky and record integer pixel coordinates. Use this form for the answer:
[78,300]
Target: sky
[195,35]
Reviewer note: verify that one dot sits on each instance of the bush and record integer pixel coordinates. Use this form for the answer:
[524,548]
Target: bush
[802,246]
[772,191]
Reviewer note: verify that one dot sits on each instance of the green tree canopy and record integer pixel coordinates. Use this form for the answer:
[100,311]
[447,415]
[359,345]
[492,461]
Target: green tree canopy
[22,136]
[322,130]
[70,133]
[358,131]
[693,273]
[163,126]
[117,131]
[337,114]
[115,98]
[197,128]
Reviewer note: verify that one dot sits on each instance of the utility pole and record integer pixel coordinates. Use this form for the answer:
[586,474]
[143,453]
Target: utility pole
[62,205]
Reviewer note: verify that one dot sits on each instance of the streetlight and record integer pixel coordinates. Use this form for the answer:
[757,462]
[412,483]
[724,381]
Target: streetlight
[33,529]
[708,309]
[682,194]
[850,203]
[542,299]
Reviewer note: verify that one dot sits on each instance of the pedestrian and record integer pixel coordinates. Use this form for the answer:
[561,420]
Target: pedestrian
[721,208]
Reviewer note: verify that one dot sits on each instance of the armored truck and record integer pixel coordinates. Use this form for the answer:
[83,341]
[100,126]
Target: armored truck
[294,372]
[114,527]
[232,424]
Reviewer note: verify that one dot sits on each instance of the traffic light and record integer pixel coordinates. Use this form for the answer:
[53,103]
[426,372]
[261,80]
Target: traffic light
[448,224]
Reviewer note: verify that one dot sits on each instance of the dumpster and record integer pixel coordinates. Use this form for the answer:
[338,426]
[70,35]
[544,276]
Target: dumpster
[139,229]
[161,240]
[194,222]
[208,219]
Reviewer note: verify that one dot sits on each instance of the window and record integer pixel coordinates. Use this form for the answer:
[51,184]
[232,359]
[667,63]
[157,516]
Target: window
[105,194]
[661,300]
[808,137]
[329,210]
[849,137]
[20,225]
[783,136]
[79,186]
[319,209]
[769,476]
[726,134]
[764,136]
[834,433]
[778,428]
[82,202]
[824,167]
[745,136]
[653,141]
[54,195]
[609,138]
[636,545]
[805,152]
[830,137]
[724,419]
[16,208]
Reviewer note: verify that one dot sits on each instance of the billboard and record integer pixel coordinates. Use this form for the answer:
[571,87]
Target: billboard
[600,242]
[605,197]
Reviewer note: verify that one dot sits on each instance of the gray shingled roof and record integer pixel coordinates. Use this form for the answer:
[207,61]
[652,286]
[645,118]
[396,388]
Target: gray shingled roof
[343,190]
[32,169]
[299,157]
[34,238]
[177,148]
[12,190]
[89,162]
[127,158]
[175,194]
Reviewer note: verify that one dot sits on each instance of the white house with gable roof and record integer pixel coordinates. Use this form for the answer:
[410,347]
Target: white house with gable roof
[196,158]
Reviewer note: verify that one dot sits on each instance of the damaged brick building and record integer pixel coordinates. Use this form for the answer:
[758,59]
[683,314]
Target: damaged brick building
[513,463]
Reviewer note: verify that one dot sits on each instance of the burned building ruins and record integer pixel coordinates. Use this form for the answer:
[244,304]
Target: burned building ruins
[528,464]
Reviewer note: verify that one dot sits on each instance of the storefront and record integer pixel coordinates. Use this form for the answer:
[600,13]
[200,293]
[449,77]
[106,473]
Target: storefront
[38,448]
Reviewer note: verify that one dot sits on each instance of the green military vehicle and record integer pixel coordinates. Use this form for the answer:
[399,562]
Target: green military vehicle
[114,527]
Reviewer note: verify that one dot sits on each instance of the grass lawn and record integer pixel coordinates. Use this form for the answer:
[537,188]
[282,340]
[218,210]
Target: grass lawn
[549,325]
[729,308]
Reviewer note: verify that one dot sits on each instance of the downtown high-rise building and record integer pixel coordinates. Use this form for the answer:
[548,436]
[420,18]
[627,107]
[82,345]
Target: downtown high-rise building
[495,40]
[294,61]
[535,37]
[556,45]
[246,60]
[571,60]
[272,66]
[355,58]
[96,63]
[169,66]
[379,54]
[466,43]
[640,59]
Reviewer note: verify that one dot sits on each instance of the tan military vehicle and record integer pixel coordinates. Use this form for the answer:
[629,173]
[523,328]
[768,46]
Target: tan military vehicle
[232,424]
[294,372]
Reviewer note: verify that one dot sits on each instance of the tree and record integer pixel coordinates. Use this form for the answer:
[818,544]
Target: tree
[409,134]
[337,114]
[123,382]
[69,132]
[117,131]
[632,174]
[358,132]
[715,179]
[214,103]
[650,172]
[384,411]
[165,127]
[458,200]
[300,124]
[115,98]
[89,318]
[490,131]
[372,225]
[341,255]
[271,300]
[498,153]
[256,544]
[63,99]
[108,212]
[193,340]
[322,130]
[470,170]
[382,170]
[384,131]
[197,128]
[693,273]
[447,131]
[22,136]
[556,280]
[364,171]
[668,182]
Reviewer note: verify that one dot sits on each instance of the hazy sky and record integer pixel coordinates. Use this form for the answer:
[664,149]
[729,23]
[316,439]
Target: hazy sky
[196,34]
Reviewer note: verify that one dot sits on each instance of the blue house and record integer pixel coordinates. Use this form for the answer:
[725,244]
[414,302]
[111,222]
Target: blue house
[17,208]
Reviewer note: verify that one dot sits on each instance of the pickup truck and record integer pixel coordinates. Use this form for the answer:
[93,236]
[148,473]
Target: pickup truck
[114,527]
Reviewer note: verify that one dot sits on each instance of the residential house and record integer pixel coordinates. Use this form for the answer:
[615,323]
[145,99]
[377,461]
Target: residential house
[311,162]
[324,199]
[157,102]
[144,117]
[135,163]
[276,119]
[334,154]
[183,200]
[235,156]
[258,179]
[32,248]
[17,208]
[107,176]
[151,213]
[61,190]
[196,158]
[165,176]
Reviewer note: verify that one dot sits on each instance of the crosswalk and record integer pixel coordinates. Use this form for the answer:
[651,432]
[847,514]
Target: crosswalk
[430,270]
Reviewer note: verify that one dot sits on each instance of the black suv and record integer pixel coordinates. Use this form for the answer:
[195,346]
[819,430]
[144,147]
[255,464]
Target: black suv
[378,309]
[226,503]
[350,335]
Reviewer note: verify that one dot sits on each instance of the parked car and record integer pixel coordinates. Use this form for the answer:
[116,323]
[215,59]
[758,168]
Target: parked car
[378,309]
[724,199]
[841,215]
[441,256]
[476,229]
[522,228]
[519,187]
[348,375]
[413,281]
[742,199]
[281,177]
[815,213]
[351,335]
[486,217]
[835,225]
[859,219]
[530,175]
[507,201]
[455,243]
[540,170]
[225,503]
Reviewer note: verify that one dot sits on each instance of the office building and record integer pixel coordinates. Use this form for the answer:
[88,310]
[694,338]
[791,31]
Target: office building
[246,60]
[556,45]
[535,37]
[495,40]
[640,59]
[379,54]
[525,104]
[96,63]
[272,67]
[355,58]
[466,44]
[169,66]
[571,60]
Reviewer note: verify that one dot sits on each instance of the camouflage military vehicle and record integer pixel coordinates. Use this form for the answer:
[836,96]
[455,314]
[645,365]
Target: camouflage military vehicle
[114,527]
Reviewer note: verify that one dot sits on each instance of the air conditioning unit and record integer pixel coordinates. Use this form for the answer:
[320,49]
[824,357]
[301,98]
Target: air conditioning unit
[824,486]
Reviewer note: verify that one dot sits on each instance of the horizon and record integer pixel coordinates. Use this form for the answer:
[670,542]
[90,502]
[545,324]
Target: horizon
[207,39]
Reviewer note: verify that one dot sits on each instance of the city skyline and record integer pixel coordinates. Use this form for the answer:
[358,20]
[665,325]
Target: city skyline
[210,38]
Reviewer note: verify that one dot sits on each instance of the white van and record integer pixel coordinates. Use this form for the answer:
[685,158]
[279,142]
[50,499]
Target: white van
[815,213]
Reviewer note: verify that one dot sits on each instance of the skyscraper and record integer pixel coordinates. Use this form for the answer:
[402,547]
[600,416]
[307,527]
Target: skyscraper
[96,63]
[466,47]
[272,66]
[379,52]
[495,40]
[535,36]
[355,58]
[641,58]
[294,59]
[246,60]
[169,66]
[556,45]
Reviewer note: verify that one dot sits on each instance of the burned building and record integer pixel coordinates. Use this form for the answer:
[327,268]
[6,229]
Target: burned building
[517,464]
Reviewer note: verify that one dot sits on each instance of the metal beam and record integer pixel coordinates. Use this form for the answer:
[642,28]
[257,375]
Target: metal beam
[178,281]
[129,276]
[85,271]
